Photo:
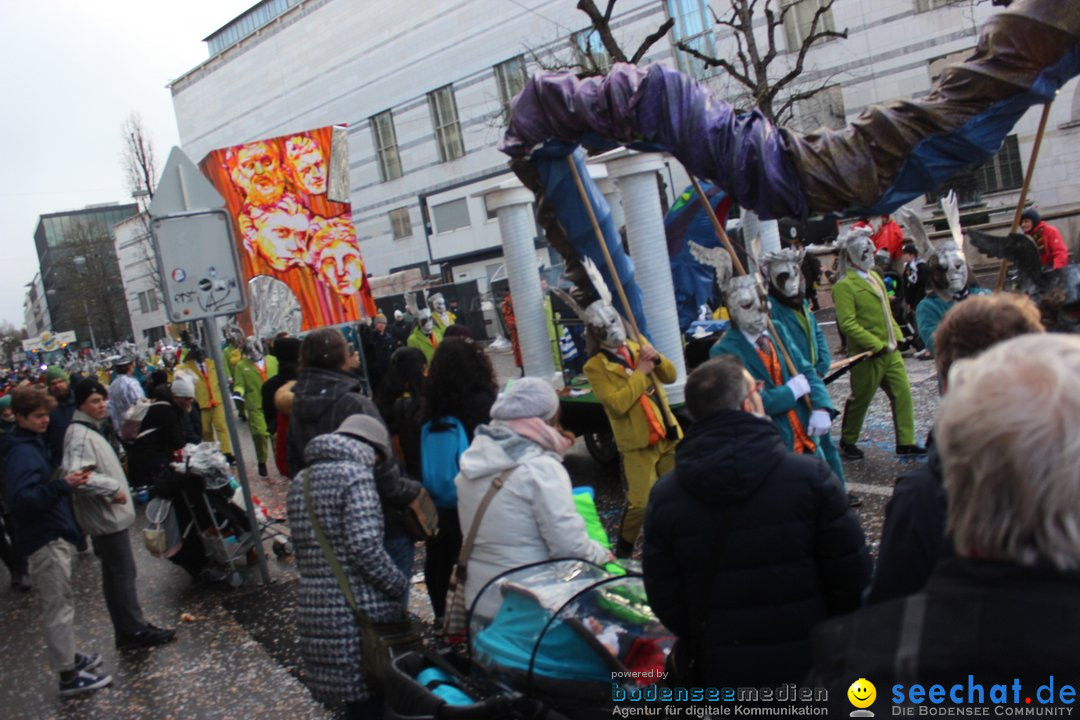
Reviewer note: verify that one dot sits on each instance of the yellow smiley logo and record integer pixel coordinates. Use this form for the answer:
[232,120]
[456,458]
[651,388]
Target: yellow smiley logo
[862,693]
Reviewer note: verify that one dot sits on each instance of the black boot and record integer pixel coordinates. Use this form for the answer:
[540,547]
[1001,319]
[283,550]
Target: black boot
[262,470]
[624,549]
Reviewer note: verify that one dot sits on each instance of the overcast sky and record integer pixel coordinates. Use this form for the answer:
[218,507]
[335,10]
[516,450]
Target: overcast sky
[72,72]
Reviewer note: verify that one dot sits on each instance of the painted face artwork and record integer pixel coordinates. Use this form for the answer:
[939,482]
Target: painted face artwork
[335,254]
[438,303]
[305,164]
[258,171]
[277,233]
[860,253]
[603,317]
[784,269]
[748,308]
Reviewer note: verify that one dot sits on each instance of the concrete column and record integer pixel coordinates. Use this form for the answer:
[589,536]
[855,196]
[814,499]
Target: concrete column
[610,191]
[636,177]
[513,207]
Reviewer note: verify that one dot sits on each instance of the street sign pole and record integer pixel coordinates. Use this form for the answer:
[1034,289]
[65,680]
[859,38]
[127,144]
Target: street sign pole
[213,338]
[200,278]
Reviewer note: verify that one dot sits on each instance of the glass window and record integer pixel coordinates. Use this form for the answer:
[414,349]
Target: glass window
[511,78]
[800,17]
[386,148]
[693,27]
[444,117]
[1002,172]
[453,215]
[591,52]
[400,223]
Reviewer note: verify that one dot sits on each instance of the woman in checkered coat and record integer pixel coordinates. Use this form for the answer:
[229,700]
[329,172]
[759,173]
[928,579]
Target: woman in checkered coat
[348,509]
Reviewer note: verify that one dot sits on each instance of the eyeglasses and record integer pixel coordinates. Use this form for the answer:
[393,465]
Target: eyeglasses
[756,389]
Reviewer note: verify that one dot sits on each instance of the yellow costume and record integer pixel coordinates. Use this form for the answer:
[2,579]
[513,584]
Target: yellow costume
[208,395]
[636,416]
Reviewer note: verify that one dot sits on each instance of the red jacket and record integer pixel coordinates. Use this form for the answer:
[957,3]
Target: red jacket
[890,237]
[1052,250]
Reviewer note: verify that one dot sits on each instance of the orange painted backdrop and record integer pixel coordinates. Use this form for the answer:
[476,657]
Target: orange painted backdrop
[275,191]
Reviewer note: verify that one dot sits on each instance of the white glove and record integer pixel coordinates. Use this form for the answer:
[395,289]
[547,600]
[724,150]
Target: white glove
[798,385]
[820,422]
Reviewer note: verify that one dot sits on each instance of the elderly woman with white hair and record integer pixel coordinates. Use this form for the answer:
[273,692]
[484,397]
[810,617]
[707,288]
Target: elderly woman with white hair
[532,517]
[1005,607]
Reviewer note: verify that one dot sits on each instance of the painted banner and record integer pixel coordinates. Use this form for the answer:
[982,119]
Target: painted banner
[288,228]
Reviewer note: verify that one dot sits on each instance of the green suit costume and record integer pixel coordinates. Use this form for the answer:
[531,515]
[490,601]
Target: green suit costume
[863,315]
[248,382]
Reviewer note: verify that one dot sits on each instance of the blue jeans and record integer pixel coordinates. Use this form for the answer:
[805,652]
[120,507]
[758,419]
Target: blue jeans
[401,550]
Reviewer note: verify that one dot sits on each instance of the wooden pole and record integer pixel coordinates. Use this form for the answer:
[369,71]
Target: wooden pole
[669,419]
[1004,268]
[726,241]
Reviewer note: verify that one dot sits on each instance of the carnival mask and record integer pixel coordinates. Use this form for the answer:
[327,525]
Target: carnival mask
[784,270]
[603,318]
[425,322]
[948,269]
[748,307]
[438,303]
[860,253]
[253,348]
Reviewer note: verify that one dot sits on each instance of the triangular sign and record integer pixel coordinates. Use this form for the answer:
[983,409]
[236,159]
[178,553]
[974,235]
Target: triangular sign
[183,188]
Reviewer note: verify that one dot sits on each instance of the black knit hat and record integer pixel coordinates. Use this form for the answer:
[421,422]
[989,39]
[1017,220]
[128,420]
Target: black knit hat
[87,387]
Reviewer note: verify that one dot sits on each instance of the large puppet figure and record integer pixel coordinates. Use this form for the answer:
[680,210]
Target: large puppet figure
[864,316]
[751,340]
[618,372]
[948,280]
[790,310]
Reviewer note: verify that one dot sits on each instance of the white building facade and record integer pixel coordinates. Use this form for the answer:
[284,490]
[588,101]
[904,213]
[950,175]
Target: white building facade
[423,88]
[35,308]
[142,284]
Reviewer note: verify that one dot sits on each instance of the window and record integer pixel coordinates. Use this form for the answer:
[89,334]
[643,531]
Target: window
[591,52]
[693,27]
[511,78]
[444,117]
[924,5]
[800,17]
[999,173]
[400,223]
[148,302]
[386,147]
[825,109]
[453,215]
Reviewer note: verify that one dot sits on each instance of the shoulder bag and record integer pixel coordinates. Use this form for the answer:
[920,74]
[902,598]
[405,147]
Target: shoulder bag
[456,617]
[380,642]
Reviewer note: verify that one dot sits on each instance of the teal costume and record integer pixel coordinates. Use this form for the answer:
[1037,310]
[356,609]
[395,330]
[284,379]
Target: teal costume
[807,337]
[778,399]
[863,315]
[929,312]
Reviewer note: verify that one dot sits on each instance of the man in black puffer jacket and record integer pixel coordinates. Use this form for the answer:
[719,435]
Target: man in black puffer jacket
[747,545]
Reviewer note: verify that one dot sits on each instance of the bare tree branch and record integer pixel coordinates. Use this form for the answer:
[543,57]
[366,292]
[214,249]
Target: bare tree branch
[602,28]
[651,40]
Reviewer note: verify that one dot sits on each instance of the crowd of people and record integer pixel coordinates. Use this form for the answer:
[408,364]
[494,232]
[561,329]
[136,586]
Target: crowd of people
[750,549]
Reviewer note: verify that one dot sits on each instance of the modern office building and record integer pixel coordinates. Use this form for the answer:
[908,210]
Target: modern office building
[424,89]
[80,274]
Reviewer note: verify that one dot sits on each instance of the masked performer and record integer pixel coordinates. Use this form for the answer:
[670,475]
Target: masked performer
[636,408]
[425,336]
[864,316]
[948,270]
[442,317]
[249,376]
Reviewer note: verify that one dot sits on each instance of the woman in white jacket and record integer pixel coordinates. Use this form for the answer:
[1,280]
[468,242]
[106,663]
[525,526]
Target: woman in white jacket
[532,518]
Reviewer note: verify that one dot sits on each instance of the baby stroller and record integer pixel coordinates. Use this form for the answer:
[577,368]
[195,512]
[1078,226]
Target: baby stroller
[213,509]
[568,633]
